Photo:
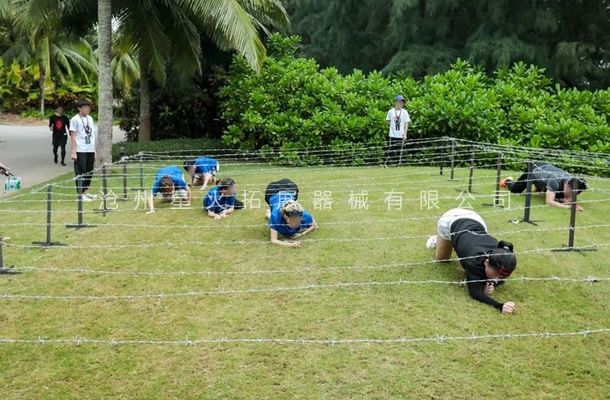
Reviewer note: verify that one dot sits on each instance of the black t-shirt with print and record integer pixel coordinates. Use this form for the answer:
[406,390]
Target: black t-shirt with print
[60,124]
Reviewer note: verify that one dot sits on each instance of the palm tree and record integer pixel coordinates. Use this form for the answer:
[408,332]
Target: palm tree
[170,39]
[167,32]
[105,99]
[58,55]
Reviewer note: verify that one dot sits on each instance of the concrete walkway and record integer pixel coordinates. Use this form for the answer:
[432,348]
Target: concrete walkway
[27,152]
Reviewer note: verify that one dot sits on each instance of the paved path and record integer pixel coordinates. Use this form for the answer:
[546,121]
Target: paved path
[27,151]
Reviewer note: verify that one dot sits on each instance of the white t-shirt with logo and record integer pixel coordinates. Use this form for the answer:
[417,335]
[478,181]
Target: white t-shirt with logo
[80,125]
[403,117]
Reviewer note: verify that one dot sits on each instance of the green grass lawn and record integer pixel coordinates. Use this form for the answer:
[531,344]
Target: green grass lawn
[369,245]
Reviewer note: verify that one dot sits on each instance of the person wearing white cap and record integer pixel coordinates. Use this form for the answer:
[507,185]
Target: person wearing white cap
[398,120]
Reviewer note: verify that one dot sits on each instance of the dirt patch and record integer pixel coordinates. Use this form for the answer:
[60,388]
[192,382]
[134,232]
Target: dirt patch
[14,119]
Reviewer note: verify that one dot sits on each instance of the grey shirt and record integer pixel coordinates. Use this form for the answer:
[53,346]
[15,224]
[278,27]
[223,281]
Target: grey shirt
[547,177]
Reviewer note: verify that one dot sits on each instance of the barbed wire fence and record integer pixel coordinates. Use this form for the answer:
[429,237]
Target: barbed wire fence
[131,173]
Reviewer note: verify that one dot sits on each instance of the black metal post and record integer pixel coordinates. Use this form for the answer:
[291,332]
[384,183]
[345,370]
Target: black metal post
[48,241]
[452,162]
[104,209]
[528,198]
[572,230]
[141,171]
[80,212]
[123,161]
[471,173]
[496,202]
[528,193]
[498,179]
[125,191]
[5,270]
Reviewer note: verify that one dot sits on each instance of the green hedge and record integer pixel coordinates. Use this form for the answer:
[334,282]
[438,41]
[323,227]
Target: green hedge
[292,103]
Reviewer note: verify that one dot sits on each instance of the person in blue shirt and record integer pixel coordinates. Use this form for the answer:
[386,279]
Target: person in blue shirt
[170,183]
[220,200]
[286,215]
[202,170]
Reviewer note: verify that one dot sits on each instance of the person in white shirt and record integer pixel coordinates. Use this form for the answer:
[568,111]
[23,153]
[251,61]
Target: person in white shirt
[82,142]
[398,119]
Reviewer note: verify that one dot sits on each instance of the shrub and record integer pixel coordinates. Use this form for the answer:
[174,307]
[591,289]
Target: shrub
[293,104]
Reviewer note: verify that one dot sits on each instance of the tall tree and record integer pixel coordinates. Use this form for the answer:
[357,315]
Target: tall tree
[418,37]
[170,41]
[59,55]
[105,98]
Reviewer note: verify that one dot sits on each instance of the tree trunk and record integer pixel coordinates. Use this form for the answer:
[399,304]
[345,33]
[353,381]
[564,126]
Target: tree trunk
[104,39]
[43,79]
[144,133]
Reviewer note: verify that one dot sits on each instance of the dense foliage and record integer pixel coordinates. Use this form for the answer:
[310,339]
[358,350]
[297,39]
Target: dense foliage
[177,111]
[292,103]
[420,37]
[19,93]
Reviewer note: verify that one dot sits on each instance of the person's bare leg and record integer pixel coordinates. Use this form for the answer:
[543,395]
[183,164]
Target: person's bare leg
[443,249]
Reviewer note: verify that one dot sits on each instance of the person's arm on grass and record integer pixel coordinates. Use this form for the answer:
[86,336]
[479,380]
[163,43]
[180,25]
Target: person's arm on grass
[207,178]
[313,227]
[550,201]
[275,240]
[151,203]
[477,291]
[214,215]
[189,194]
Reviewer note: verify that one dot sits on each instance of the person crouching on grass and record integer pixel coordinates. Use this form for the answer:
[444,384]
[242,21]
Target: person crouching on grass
[170,183]
[486,261]
[286,215]
[220,200]
[202,170]
[558,185]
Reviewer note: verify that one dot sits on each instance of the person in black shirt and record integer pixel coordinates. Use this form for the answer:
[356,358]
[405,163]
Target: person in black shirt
[558,184]
[486,262]
[59,124]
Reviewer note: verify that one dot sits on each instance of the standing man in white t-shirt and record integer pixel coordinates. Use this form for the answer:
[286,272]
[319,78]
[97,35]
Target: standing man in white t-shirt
[82,142]
[398,119]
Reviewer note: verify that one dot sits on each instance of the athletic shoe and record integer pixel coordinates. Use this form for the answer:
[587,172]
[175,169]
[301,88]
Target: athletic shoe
[91,197]
[503,182]
[86,198]
[431,242]
[63,163]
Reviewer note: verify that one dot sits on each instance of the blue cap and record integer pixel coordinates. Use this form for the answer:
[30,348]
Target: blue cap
[399,98]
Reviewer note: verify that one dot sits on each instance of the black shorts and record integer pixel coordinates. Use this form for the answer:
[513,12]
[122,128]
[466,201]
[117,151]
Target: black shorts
[283,185]
[60,139]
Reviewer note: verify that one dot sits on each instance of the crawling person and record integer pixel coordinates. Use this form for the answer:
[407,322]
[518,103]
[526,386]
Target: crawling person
[287,217]
[202,171]
[220,200]
[486,261]
[557,184]
[170,184]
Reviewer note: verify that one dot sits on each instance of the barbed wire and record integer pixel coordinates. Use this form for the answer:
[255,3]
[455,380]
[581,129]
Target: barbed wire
[184,208]
[267,242]
[296,270]
[341,285]
[437,339]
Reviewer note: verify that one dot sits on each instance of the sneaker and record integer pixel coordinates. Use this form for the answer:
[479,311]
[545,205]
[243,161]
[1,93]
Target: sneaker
[86,198]
[63,163]
[431,242]
[91,197]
